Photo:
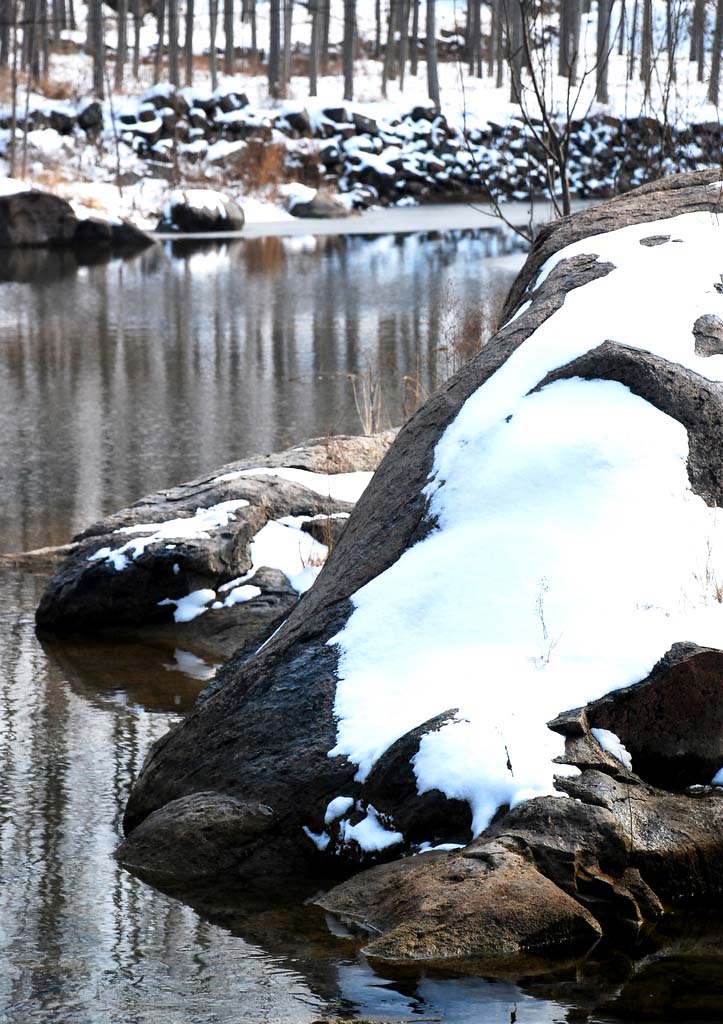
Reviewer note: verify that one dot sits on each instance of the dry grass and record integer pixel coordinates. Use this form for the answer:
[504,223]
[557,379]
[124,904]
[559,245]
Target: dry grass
[55,89]
[261,166]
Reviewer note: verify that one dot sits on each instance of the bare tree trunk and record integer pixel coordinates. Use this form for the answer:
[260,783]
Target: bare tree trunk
[12,149]
[604,8]
[574,52]
[274,48]
[314,48]
[161,20]
[646,52]
[5,26]
[494,14]
[252,18]
[188,43]
[403,40]
[714,85]
[174,73]
[325,6]
[137,22]
[228,61]
[286,57]
[44,38]
[475,35]
[633,42]
[347,48]
[213,29]
[388,65]
[501,46]
[671,37]
[377,28]
[515,33]
[122,51]
[98,49]
[697,37]
[431,44]
[563,53]
[414,43]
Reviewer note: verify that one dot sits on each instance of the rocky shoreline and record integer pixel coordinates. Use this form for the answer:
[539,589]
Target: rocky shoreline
[189,135]
[266,779]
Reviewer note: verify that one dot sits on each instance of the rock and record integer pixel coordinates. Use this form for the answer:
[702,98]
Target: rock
[190,837]
[682,193]
[319,207]
[89,592]
[96,233]
[36,219]
[554,871]
[200,210]
[90,118]
[708,335]
[672,722]
[441,907]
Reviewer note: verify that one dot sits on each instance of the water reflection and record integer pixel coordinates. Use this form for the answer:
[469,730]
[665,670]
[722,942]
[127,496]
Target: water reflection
[121,378]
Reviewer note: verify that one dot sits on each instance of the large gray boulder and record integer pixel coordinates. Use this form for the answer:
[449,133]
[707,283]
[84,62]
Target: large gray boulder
[137,567]
[36,218]
[276,730]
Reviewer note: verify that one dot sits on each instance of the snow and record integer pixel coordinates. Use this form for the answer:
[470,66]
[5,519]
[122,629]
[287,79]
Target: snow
[570,552]
[718,779]
[11,186]
[191,528]
[320,840]
[336,807]
[338,486]
[190,606]
[294,192]
[286,547]
[203,199]
[370,834]
[239,595]
[258,212]
[612,743]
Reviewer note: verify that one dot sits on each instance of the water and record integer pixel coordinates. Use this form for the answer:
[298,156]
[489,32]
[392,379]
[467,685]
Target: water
[115,380]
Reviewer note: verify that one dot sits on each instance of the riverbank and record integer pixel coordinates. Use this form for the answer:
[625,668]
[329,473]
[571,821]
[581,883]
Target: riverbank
[123,158]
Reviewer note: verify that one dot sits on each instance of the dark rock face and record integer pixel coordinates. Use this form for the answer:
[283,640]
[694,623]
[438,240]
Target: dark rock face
[188,214]
[36,219]
[120,236]
[549,871]
[194,836]
[672,722]
[90,593]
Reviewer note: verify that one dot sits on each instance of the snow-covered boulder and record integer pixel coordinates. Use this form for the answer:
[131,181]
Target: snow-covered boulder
[221,557]
[200,210]
[544,532]
[309,203]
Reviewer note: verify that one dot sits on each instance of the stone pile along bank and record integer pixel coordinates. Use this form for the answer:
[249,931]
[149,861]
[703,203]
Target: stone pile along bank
[420,155]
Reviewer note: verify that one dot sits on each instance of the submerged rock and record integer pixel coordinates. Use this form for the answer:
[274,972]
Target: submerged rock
[541,536]
[224,556]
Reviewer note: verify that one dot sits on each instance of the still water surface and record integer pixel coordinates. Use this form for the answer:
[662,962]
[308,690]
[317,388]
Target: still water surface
[118,379]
